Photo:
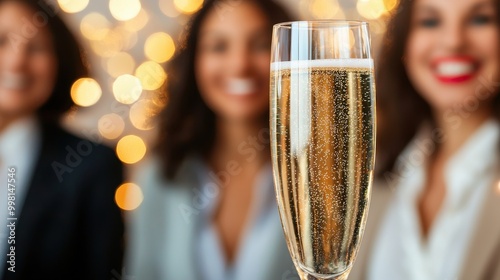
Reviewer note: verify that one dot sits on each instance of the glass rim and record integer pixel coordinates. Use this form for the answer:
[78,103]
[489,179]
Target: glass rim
[322,23]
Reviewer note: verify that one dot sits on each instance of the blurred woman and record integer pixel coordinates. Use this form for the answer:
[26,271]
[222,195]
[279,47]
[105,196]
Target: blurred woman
[61,187]
[209,209]
[439,108]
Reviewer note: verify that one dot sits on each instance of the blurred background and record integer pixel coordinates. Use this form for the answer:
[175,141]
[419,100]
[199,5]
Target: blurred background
[128,43]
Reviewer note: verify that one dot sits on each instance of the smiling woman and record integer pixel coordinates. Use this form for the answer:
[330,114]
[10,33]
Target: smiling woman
[68,224]
[435,58]
[211,174]
[438,85]
[23,92]
[232,64]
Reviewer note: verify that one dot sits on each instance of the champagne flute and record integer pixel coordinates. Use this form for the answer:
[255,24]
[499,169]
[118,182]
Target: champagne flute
[322,141]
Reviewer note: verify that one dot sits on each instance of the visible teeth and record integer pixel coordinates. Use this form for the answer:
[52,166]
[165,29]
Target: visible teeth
[241,86]
[13,81]
[452,69]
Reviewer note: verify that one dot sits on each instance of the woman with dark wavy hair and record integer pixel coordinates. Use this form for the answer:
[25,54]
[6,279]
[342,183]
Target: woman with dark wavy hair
[61,216]
[209,209]
[438,100]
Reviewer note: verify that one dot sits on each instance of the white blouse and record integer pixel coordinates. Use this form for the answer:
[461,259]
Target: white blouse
[400,251]
[263,223]
[19,148]
[171,235]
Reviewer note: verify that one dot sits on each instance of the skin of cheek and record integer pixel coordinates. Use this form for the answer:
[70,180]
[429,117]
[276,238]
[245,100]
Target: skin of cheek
[43,71]
[488,83]
[46,72]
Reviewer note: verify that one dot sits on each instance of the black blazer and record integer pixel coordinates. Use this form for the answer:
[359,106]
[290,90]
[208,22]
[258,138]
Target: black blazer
[69,226]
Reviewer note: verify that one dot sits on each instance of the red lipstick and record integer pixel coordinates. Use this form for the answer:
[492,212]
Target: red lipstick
[455,70]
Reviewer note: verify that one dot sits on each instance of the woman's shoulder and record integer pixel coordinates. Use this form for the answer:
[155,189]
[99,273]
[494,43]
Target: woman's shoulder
[171,197]
[149,174]
[91,145]
[75,156]
[75,162]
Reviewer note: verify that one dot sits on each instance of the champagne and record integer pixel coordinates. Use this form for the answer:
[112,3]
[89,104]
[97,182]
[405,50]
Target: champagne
[323,139]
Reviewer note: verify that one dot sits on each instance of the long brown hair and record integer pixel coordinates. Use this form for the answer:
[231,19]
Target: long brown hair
[400,109]
[187,125]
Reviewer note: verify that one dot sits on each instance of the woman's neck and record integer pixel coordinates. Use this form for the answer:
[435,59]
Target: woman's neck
[6,121]
[244,141]
[457,127]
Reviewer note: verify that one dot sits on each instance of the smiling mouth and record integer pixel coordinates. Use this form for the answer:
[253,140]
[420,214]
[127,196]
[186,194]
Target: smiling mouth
[455,69]
[241,87]
[13,81]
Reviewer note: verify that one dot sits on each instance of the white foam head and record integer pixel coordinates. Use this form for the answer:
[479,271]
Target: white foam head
[324,63]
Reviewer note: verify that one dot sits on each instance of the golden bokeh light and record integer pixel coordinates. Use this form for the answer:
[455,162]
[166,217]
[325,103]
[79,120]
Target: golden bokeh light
[390,4]
[142,114]
[151,75]
[159,99]
[378,26]
[95,26]
[371,9]
[159,47]
[168,8]
[124,10]
[137,23]
[498,188]
[73,6]
[111,126]
[130,40]
[127,89]
[347,13]
[109,46]
[188,6]
[324,9]
[304,9]
[128,196]
[127,38]
[340,14]
[130,149]
[86,92]
[120,64]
